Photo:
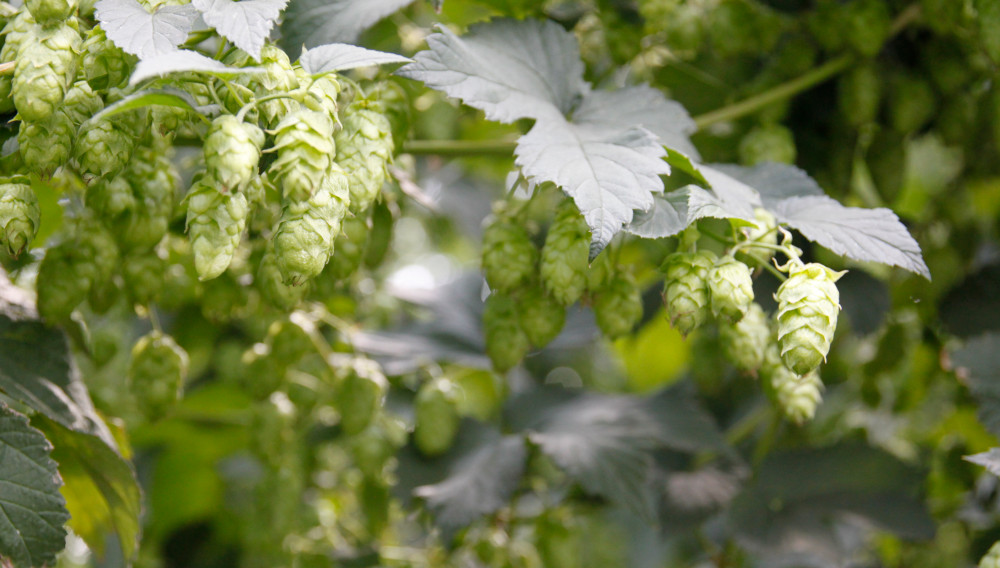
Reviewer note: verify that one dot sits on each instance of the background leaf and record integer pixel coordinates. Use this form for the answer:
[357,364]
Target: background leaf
[136,31]
[342,56]
[315,22]
[774,182]
[979,361]
[874,235]
[32,512]
[667,217]
[970,308]
[183,61]
[246,23]
[706,203]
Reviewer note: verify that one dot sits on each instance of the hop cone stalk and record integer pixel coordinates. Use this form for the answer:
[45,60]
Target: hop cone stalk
[686,291]
[509,256]
[745,342]
[215,223]
[156,374]
[808,305]
[19,217]
[796,396]
[506,342]
[618,307]
[364,146]
[304,142]
[563,266]
[305,237]
[730,288]
[541,317]
[44,70]
[232,151]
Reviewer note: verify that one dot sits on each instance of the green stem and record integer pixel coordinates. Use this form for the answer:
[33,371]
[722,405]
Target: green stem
[246,108]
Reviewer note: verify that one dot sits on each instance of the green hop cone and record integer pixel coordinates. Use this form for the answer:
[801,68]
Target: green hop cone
[48,12]
[763,231]
[19,217]
[44,69]
[992,557]
[359,396]
[272,287]
[305,237]
[103,148]
[153,180]
[98,246]
[509,256]
[745,342]
[81,103]
[364,147]
[540,316]
[563,265]
[64,279]
[866,25]
[372,448]
[278,77]
[232,151]
[322,93]
[436,417]
[156,374]
[110,198]
[143,275]
[506,342]
[808,304]
[730,289]
[618,306]
[215,223]
[105,64]
[350,248]
[686,289]
[796,396]
[768,143]
[304,142]
[18,31]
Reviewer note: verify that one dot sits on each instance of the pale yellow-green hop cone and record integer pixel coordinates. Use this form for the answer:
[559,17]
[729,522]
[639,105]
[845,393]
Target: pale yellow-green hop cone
[686,290]
[19,217]
[992,557]
[110,198]
[305,237]
[81,103]
[618,306]
[540,316]
[506,342]
[745,342]
[730,289]
[215,223]
[364,147]
[102,148]
[105,65]
[509,257]
[796,396]
[304,142]
[563,265]
[18,31]
[278,77]
[48,12]
[156,374]
[322,93]
[46,146]
[808,306]
[232,152]
[43,72]
[272,287]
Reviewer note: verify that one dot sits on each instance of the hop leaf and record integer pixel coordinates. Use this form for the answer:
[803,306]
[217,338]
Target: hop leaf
[686,289]
[19,217]
[540,316]
[796,396]
[304,142]
[436,415]
[730,288]
[44,69]
[618,306]
[506,342]
[156,374]
[215,223]
[564,257]
[509,256]
[364,146]
[232,150]
[745,342]
[808,304]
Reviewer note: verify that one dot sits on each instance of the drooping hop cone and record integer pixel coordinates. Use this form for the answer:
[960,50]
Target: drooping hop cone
[70,269]
[19,217]
[51,11]
[272,287]
[364,147]
[304,142]
[105,64]
[540,316]
[686,289]
[618,306]
[322,93]
[730,289]
[102,148]
[44,70]
[563,265]
[797,396]
[992,557]
[745,342]
[232,151]
[506,342]
[305,237]
[81,103]
[359,396]
[808,305]
[436,417]
[156,374]
[278,77]
[215,223]
[509,257]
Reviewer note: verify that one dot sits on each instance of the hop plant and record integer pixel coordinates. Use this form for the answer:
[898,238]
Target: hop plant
[153,181]
[506,342]
[305,237]
[45,146]
[215,223]
[321,94]
[436,416]
[686,290]
[278,77]
[19,217]
[18,29]
[509,256]
[102,148]
[304,142]
[64,279]
[364,146]
[44,70]
[763,231]
[618,307]
[808,304]
[272,287]
[992,557]
[768,143]
[156,374]
[110,198]
[350,246]
[232,151]
[143,275]
[797,396]
[563,265]
[540,316]
[745,342]
[47,12]
[105,64]
[81,103]
[730,288]
[359,396]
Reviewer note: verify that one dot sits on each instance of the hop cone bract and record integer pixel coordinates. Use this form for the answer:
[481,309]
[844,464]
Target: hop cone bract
[808,304]
[686,289]
[796,396]
[364,146]
[304,142]
[232,151]
[44,69]
[730,288]
[509,256]
[215,223]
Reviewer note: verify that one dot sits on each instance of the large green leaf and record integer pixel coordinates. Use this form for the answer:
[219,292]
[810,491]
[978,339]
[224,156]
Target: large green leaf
[32,512]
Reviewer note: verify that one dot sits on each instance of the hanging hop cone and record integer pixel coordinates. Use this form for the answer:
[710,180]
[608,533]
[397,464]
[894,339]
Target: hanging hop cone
[48,12]
[232,151]
[686,290]
[436,417]
[304,142]
[81,103]
[154,183]
[730,289]
[322,93]
[18,31]
[364,147]
[105,64]
[143,275]
[45,146]
[69,270]
[19,217]
[278,77]
[350,246]
[506,343]
[509,257]
[359,396]
[156,374]
[272,287]
[745,342]
[618,306]
[215,223]
[563,265]
[808,304]
[540,316]
[102,148]
[796,396]
[44,70]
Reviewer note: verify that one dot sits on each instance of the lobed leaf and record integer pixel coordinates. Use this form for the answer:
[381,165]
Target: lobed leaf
[646,107]
[246,23]
[311,23]
[667,217]
[774,182]
[133,29]
[979,360]
[341,56]
[182,61]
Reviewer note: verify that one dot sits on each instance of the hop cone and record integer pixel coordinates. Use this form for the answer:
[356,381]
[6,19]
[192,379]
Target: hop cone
[304,142]
[156,374]
[730,289]
[797,396]
[618,307]
[153,180]
[359,396]
[564,257]
[992,557]
[278,77]
[304,240]
[364,146]
[45,146]
[20,27]
[322,93]
[215,223]
[745,342]
[143,275]
[540,316]
[232,150]
[686,289]
[808,304]
[102,148]
[436,417]
[350,248]
[763,231]
[44,69]
[47,12]
[19,217]
[506,343]
[81,103]
[272,287]
[509,256]
[64,279]
[105,64]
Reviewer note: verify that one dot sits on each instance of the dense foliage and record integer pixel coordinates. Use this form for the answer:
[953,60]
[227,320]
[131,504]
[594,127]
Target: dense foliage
[500,283]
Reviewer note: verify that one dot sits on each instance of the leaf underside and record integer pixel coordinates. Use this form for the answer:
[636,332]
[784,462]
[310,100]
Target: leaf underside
[315,22]
[246,23]
[341,57]
[129,26]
